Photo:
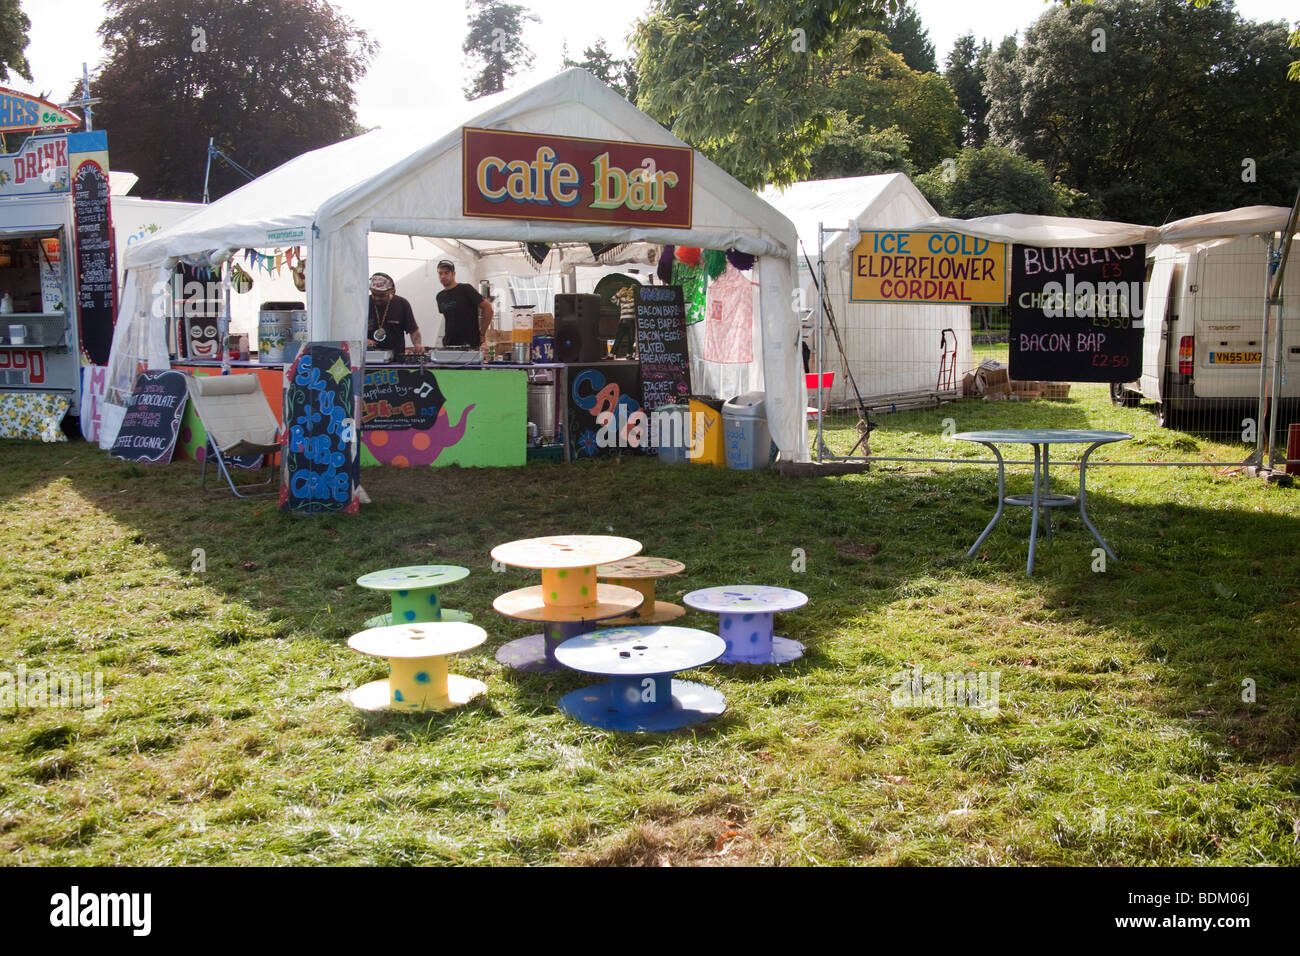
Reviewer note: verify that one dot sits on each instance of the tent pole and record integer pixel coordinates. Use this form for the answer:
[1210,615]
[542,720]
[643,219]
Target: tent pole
[821,311]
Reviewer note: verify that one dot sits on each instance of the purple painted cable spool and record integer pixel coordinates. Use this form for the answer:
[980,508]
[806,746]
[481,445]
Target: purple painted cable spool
[642,694]
[746,621]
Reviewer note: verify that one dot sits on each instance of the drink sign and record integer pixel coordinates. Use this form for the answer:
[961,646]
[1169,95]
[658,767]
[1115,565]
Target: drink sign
[152,419]
[321,464]
[661,345]
[1076,314]
[928,268]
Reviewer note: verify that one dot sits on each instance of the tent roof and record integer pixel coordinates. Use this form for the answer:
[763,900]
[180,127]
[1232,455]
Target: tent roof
[1063,231]
[329,187]
[836,203]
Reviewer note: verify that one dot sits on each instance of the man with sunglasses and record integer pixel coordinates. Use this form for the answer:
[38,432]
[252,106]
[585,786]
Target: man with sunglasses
[391,319]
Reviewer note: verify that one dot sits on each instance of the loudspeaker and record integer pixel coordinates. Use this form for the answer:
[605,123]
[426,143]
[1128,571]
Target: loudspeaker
[576,329]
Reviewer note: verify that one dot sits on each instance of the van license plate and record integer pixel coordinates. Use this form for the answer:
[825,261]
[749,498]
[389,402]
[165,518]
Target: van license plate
[1234,358]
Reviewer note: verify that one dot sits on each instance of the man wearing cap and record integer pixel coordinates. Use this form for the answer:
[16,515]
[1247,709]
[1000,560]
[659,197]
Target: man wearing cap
[467,313]
[391,318]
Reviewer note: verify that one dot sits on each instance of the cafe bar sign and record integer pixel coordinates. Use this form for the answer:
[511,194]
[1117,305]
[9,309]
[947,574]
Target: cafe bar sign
[509,175]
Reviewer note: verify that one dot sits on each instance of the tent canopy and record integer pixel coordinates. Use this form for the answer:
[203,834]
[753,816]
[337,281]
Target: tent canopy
[408,182]
[1064,232]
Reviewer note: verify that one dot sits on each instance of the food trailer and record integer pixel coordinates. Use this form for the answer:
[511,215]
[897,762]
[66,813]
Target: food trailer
[63,236]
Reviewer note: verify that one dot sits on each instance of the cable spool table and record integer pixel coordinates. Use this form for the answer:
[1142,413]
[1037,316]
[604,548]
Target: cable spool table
[413,593]
[642,693]
[417,662]
[569,601]
[746,614]
[639,573]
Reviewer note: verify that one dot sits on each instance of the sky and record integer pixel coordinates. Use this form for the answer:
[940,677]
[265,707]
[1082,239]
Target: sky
[419,62]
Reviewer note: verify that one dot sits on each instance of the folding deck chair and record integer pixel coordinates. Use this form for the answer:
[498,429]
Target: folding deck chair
[240,424]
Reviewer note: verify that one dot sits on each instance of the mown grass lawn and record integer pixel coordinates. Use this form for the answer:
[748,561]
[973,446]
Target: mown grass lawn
[1122,735]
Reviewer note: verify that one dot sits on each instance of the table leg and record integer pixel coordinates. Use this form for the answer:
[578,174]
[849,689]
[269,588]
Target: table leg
[1002,487]
[1083,498]
[1047,490]
[1033,525]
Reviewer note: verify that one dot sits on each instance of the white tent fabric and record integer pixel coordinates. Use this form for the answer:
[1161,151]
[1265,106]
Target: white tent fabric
[408,182]
[892,350]
[1058,231]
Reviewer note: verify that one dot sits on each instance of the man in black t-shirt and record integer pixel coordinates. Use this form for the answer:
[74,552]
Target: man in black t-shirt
[391,319]
[467,313]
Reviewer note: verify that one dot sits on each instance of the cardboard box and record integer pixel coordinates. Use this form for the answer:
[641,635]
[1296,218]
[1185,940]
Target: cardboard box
[968,384]
[997,396]
[1056,390]
[543,323]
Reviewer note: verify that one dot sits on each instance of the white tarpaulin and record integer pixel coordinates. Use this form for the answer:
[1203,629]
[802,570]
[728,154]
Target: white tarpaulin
[408,182]
[1059,231]
[892,349]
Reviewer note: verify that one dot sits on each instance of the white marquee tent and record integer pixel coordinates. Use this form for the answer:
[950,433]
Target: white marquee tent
[407,182]
[892,350]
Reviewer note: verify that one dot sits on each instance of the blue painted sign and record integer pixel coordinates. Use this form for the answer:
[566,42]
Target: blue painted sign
[321,463]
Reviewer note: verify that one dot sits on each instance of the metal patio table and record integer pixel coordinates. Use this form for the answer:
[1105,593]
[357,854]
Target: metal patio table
[1041,439]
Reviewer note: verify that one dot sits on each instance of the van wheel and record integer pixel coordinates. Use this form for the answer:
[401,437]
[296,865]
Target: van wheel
[1166,417]
[1119,395]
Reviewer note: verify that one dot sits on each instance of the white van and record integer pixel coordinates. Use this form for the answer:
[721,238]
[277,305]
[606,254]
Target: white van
[1203,341]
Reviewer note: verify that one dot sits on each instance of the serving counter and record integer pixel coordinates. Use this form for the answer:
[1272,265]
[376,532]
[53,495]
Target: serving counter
[430,414]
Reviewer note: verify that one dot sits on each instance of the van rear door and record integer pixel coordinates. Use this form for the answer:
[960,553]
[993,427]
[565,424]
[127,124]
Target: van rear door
[1231,291]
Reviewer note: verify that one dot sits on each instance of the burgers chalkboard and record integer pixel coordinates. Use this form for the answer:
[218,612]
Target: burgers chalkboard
[1076,314]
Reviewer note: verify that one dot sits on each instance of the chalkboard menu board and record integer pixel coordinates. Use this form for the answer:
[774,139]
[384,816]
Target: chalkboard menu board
[605,410]
[321,467]
[1076,314]
[396,398]
[95,274]
[152,419]
[661,345]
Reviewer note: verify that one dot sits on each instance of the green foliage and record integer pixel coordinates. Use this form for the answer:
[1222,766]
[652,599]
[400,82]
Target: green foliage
[992,180]
[13,40]
[494,46]
[740,81]
[850,150]
[862,100]
[965,73]
[269,79]
[619,75]
[1159,124]
[909,38]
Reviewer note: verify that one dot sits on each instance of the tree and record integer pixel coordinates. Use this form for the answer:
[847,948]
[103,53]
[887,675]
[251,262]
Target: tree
[965,72]
[850,150]
[909,38]
[267,79]
[1155,108]
[13,40]
[740,81]
[883,93]
[494,46]
[619,75]
[989,181]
